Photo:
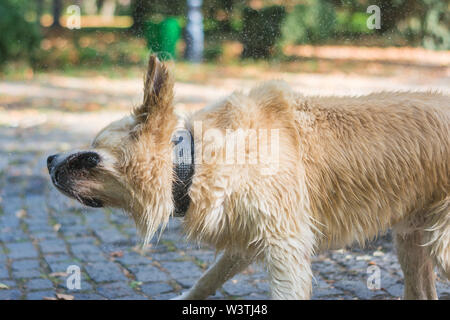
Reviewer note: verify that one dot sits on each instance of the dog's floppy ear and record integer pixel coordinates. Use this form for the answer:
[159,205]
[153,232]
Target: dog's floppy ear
[158,94]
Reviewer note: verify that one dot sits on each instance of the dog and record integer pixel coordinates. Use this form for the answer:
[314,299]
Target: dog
[337,170]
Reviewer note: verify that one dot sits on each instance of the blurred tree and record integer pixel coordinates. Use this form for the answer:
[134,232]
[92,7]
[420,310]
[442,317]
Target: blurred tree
[20,38]
[39,9]
[90,6]
[142,10]
[107,8]
[139,11]
[313,22]
[194,31]
[261,30]
[57,8]
[435,27]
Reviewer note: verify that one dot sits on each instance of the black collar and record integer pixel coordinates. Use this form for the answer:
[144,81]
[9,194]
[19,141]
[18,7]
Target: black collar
[183,164]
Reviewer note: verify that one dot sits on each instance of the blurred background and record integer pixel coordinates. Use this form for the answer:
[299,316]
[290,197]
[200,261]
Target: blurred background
[48,35]
[69,67]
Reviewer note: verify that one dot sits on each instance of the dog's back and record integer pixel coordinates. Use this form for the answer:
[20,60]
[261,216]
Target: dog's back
[370,161]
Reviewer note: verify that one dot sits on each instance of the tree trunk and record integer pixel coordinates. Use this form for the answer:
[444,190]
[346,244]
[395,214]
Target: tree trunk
[138,11]
[57,8]
[108,9]
[39,10]
[194,31]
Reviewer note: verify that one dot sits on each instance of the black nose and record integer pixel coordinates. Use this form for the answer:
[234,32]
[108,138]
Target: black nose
[50,160]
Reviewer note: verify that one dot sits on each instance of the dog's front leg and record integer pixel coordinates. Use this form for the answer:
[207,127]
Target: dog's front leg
[225,268]
[288,263]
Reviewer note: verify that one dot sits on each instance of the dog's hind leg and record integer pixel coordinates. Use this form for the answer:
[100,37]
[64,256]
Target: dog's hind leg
[417,266]
[437,235]
[225,268]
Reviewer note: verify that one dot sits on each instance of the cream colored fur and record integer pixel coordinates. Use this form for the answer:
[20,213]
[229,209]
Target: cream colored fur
[348,169]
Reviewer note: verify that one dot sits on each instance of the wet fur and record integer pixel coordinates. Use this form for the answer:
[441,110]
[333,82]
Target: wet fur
[349,169]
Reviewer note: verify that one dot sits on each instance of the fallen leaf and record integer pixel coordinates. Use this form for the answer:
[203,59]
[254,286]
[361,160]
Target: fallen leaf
[62,296]
[21,213]
[127,273]
[135,284]
[3,286]
[378,253]
[116,254]
[58,274]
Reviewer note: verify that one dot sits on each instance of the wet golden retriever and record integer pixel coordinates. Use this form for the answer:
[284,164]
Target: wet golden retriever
[278,176]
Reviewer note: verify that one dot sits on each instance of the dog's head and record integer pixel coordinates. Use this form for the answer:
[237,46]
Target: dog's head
[129,163]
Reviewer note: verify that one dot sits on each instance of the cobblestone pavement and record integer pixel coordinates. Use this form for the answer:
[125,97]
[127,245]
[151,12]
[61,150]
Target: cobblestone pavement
[42,233]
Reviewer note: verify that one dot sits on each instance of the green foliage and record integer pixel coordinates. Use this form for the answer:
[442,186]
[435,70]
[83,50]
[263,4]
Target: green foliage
[19,38]
[261,30]
[348,23]
[311,23]
[436,25]
[212,51]
[94,48]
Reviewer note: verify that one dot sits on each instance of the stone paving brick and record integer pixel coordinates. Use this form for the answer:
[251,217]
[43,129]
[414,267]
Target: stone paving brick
[39,284]
[156,288]
[88,252]
[115,290]
[21,250]
[9,283]
[35,185]
[23,265]
[53,246]
[84,285]
[12,234]
[182,269]
[40,295]
[104,272]
[41,235]
[81,240]
[26,274]
[58,257]
[111,235]
[60,266]
[186,282]
[236,287]
[164,296]
[88,296]
[75,231]
[3,272]
[148,273]
[357,287]
[133,258]
[132,297]
[167,256]
[13,294]
[395,290]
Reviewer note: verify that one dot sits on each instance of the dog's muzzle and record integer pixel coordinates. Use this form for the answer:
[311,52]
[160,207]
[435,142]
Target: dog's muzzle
[64,171]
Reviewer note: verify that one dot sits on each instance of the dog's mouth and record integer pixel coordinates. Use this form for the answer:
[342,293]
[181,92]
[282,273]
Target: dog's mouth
[63,181]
